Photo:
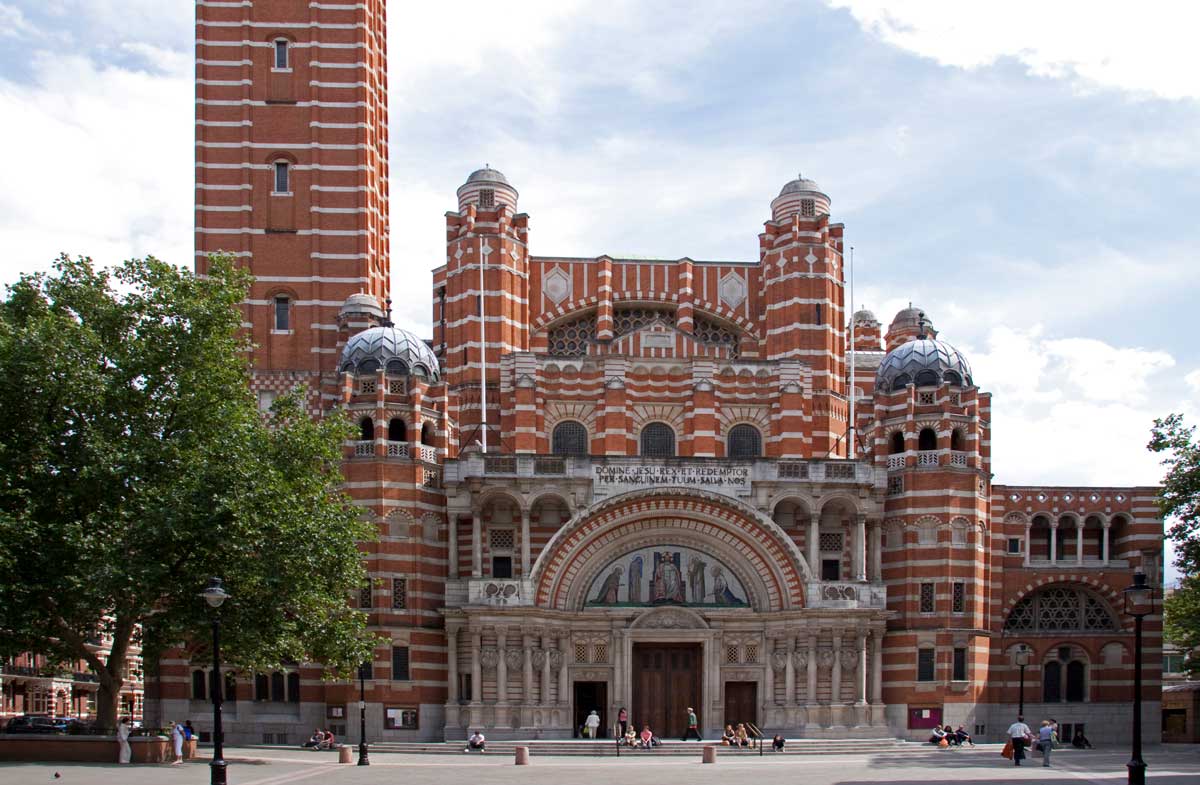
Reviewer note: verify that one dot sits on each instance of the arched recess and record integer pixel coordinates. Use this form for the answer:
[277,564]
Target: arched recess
[766,559]
[1057,608]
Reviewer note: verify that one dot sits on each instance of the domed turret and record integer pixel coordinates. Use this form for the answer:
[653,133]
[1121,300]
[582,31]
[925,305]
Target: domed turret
[909,324]
[925,362]
[398,351]
[487,188]
[361,304]
[867,336]
[801,197]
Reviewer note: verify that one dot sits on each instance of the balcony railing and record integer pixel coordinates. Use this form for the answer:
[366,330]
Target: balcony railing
[364,449]
[427,453]
[499,592]
[895,462]
[832,594]
[927,458]
[397,449]
[960,458]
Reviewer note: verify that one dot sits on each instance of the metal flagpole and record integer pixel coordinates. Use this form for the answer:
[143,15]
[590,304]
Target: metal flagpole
[482,352]
[853,431]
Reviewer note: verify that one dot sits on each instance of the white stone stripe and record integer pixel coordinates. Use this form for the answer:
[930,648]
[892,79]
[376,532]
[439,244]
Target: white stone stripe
[302,232]
[271,44]
[298,104]
[282,145]
[285,25]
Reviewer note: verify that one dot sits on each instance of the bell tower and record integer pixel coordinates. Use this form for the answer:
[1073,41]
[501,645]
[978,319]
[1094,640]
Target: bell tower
[291,165]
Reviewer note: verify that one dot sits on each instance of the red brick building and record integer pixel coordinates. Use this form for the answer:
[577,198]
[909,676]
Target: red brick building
[639,483]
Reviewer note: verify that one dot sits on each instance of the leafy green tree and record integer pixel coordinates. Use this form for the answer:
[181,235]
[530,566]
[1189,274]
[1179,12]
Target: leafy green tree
[134,465]
[1180,502]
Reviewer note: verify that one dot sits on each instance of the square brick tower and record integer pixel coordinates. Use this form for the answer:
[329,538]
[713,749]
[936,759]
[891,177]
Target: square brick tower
[292,166]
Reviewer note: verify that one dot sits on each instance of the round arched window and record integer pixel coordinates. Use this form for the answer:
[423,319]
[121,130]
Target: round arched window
[569,438]
[744,441]
[658,441]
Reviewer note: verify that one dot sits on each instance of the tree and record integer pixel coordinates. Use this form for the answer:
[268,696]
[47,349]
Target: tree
[134,465]
[1180,501]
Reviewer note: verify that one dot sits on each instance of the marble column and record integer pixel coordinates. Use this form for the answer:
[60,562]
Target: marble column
[476,545]
[527,661]
[810,697]
[835,675]
[860,548]
[1079,543]
[789,676]
[451,665]
[814,546]
[877,666]
[564,643]
[502,666]
[1028,542]
[452,544]
[524,543]
[769,678]
[476,669]
[877,551]
[1054,542]
[1105,548]
[545,696]
[860,678]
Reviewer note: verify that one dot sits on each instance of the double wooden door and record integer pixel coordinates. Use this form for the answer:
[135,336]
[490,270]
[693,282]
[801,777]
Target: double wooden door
[666,682]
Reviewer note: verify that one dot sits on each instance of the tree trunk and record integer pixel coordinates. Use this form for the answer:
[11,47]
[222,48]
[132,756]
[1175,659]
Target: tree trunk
[108,701]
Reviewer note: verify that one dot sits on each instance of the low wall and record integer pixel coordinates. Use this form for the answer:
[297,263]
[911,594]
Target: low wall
[90,749]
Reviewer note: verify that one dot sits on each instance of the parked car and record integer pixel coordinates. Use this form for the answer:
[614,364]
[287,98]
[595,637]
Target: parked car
[36,724]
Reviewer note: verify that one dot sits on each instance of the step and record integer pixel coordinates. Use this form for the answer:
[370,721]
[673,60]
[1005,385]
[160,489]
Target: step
[572,747]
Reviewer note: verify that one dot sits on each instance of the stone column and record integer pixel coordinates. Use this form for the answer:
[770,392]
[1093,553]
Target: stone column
[1079,542]
[860,678]
[860,548]
[877,551]
[835,674]
[476,544]
[1054,542]
[789,676]
[769,677]
[452,665]
[564,643]
[527,646]
[502,666]
[1028,541]
[476,669]
[1104,542]
[545,696]
[814,549]
[524,543]
[811,696]
[877,666]
[452,544]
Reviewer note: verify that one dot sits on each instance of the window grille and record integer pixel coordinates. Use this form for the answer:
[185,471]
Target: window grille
[926,598]
[959,597]
[581,653]
[658,441]
[839,471]
[546,465]
[927,534]
[709,332]
[958,535]
[926,398]
[501,539]
[400,663]
[628,320]
[399,593]
[600,652]
[281,53]
[792,470]
[573,338]
[955,399]
[731,654]
[831,542]
[368,386]
[744,442]
[808,208]
[926,664]
[397,387]
[895,486]
[487,197]
[1060,609]
[569,438]
[282,180]
[364,597]
[751,652]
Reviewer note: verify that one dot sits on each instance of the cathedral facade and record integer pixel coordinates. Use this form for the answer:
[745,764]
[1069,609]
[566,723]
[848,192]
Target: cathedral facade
[649,484]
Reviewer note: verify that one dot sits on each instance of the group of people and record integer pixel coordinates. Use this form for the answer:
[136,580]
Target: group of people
[736,737]
[950,737]
[1044,740]
[320,740]
[629,737]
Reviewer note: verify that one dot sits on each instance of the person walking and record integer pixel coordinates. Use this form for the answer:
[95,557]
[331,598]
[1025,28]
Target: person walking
[692,726]
[177,743]
[1046,741]
[1019,733]
[623,721]
[125,754]
[592,725]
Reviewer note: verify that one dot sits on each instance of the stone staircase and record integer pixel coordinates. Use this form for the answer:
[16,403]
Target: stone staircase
[605,748]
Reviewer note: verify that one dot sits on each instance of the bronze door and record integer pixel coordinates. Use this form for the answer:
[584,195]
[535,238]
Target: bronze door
[666,681]
[741,702]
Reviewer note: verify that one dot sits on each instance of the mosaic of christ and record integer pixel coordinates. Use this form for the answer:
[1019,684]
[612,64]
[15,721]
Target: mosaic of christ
[666,575]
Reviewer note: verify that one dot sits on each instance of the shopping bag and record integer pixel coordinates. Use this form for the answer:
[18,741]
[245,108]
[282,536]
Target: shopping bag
[1008,749]
[943,743]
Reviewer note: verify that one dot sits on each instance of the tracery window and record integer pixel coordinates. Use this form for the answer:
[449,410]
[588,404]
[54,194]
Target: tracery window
[658,441]
[628,320]
[1059,609]
[744,441]
[710,332]
[572,338]
[569,438]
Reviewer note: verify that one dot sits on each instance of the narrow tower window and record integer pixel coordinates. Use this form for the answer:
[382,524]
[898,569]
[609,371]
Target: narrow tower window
[281,54]
[282,177]
[487,197]
[927,439]
[283,313]
[808,208]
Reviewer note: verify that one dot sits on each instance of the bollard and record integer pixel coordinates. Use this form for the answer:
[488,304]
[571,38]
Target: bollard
[710,755]
[345,754]
[522,757]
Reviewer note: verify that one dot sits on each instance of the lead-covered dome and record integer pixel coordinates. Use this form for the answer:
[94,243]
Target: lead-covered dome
[487,189]
[925,362]
[392,349]
[800,196]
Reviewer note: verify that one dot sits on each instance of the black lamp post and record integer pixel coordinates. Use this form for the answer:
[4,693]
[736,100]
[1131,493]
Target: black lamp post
[1021,657]
[214,594]
[1139,603]
[363,756]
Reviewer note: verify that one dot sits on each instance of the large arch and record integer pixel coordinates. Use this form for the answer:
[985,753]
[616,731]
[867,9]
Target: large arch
[765,559]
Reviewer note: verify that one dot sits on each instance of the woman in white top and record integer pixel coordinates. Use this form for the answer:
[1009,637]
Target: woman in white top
[592,723]
[177,743]
[123,741]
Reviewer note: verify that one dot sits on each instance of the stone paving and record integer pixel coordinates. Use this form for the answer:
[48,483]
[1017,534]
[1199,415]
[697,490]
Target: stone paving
[1169,764]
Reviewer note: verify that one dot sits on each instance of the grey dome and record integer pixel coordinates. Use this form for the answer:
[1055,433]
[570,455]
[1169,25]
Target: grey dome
[801,185]
[395,350]
[924,362]
[864,315]
[487,175]
[362,303]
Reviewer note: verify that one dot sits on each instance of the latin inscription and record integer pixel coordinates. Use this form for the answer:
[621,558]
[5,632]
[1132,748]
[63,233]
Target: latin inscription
[730,480]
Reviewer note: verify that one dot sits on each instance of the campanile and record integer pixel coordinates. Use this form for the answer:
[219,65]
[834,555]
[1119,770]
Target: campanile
[292,165]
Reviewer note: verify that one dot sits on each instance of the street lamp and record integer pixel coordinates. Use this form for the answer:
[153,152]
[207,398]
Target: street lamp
[1021,657]
[1139,603]
[214,594]
[363,757]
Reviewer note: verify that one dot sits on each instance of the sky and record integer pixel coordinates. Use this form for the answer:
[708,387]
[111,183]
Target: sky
[1026,172]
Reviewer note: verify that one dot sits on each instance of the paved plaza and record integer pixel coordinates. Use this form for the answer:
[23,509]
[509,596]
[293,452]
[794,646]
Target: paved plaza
[980,766]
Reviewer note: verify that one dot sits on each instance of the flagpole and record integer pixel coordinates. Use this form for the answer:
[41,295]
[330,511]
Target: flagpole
[853,430]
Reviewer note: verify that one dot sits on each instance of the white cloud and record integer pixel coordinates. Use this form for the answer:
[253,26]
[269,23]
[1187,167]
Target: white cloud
[1193,381]
[13,23]
[1149,48]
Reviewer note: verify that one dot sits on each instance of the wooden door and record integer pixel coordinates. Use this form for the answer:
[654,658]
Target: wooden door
[741,702]
[666,681]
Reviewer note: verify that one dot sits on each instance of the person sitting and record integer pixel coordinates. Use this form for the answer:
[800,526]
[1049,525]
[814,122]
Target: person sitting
[951,739]
[647,738]
[938,736]
[963,737]
[777,743]
[328,743]
[728,739]
[314,741]
[741,738]
[1080,742]
[630,737]
[476,742]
